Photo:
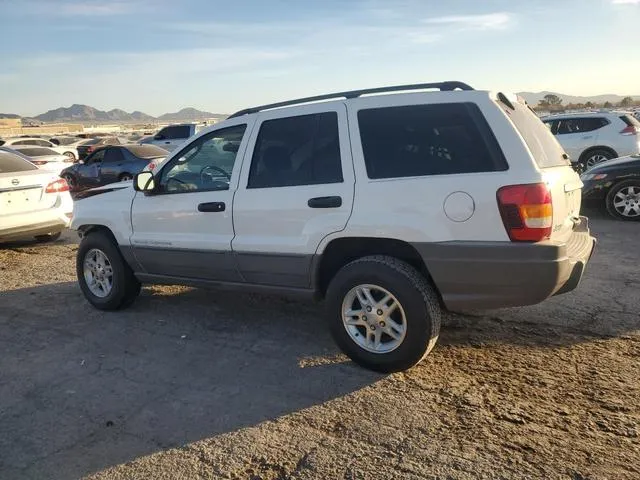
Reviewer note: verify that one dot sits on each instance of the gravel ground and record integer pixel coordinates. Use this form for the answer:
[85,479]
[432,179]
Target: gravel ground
[199,384]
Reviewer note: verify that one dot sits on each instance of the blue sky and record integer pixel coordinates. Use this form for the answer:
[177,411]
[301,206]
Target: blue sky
[160,55]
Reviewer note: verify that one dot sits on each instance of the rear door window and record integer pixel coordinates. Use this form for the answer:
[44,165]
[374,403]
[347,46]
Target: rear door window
[113,155]
[436,139]
[301,150]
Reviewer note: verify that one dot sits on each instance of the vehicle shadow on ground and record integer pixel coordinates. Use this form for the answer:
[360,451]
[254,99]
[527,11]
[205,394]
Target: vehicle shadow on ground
[82,390]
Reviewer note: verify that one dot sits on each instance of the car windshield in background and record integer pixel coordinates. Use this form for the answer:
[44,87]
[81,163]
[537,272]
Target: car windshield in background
[38,152]
[92,141]
[147,151]
[10,163]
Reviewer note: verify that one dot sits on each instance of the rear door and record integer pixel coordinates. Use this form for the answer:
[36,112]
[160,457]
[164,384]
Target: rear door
[562,181]
[296,187]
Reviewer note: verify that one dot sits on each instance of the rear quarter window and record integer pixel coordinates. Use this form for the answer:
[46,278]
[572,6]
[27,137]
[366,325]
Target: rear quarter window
[10,163]
[421,140]
[544,147]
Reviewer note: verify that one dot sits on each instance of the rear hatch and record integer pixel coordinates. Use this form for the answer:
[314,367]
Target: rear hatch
[562,181]
[22,192]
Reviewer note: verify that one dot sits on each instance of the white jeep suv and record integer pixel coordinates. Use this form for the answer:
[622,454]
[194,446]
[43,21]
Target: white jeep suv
[391,207]
[593,137]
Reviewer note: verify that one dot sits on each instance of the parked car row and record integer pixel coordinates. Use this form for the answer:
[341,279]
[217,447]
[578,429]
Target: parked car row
[593,137]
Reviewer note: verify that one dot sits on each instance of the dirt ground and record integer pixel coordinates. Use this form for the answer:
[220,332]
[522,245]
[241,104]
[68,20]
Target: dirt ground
[200,384]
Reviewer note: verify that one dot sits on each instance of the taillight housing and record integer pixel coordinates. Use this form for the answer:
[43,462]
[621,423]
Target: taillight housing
[39,162]
[630,130]
[527,211]
[56,186]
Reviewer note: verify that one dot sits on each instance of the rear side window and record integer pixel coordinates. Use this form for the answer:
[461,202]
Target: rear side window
[113,155]
[302,150]
[580,125]
[544,147]
[176,132]
[420,140]
[12,163]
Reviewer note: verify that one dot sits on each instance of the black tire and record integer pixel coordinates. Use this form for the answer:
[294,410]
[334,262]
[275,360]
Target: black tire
[126,286]
[49,237]
[611,197]
[589,154]
[416,296]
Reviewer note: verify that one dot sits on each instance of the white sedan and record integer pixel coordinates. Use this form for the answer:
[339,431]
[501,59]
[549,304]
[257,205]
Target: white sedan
[44,158]
[34,203]
[70,150]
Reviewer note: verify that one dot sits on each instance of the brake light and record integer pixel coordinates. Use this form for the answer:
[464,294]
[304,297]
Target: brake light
[630,130]
[151,166]
[39,162]
[59,185]
[527,212]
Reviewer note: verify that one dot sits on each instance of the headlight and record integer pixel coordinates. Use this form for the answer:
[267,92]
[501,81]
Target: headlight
[593,176]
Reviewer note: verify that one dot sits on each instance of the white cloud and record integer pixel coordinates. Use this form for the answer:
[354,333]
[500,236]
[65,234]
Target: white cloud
[82,8]
[488,21]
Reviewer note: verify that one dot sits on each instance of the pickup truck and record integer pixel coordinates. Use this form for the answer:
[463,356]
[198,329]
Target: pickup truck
[171,136]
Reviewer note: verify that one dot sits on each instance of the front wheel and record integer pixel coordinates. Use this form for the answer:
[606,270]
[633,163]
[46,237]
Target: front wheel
[623,200]
[105,279]
[71,155]
[383,313]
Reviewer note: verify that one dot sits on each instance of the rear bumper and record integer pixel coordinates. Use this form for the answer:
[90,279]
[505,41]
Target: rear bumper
[32,230]
[485,275]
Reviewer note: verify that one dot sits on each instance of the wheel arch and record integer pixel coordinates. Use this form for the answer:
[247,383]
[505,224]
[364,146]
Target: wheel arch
[589,150]
[341,251]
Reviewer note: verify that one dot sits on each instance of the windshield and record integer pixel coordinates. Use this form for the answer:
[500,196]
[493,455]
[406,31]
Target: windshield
[13,163]
[38,151]
[92,141]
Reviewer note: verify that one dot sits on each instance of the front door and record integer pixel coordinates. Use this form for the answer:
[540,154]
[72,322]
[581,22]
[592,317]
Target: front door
[184,228]
[296,188]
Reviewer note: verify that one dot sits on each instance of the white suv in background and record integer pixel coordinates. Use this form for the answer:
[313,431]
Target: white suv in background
[593,137]
[391,207]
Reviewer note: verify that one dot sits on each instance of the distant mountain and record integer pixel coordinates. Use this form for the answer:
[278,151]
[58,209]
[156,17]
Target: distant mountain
[188,114]
[533,98]
[9,115]
[85,113]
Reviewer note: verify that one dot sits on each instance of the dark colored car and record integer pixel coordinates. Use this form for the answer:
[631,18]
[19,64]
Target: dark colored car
[86,148]
[113,163]
[616,183]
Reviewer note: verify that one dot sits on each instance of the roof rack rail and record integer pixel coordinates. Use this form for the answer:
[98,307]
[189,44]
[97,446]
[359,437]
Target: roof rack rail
[442,86]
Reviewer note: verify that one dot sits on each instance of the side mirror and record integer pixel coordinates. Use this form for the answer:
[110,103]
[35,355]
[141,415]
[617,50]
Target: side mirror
[144,182]
[159,136]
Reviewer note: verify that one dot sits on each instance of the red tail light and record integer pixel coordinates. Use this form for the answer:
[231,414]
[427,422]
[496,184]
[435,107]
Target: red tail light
[527,212]
[59,185]
[151,166]
[39,162]
[630,130]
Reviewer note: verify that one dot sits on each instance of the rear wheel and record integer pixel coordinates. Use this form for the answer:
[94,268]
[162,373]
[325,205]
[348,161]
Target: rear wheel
[593,157]
[49,237]
[623,200]
[383,313]
[105,279]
